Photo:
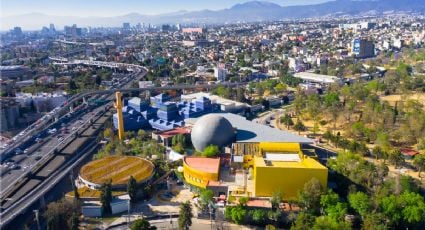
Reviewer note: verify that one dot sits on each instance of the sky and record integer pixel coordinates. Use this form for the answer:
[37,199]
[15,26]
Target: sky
[84,8]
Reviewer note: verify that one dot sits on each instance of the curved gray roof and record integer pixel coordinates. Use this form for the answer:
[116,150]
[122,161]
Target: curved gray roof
[212,129]
[248,131]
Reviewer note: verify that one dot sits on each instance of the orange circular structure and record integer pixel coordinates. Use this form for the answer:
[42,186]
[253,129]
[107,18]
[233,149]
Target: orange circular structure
[118,169]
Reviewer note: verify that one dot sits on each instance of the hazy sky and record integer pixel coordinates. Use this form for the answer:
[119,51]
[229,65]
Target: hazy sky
[120,7]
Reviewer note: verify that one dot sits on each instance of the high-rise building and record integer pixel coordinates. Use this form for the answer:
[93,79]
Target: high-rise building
[73,31]
[126,26]
[16,31]
[220,72]
[363,48]
[52,29]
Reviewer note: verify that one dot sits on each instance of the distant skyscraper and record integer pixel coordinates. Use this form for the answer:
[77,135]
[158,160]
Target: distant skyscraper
[73,31]
[16,31]
[220,72]
[52,27]
[126,26]
[363,48]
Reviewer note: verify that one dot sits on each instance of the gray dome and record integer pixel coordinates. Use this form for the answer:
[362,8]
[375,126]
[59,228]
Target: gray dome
[212,129]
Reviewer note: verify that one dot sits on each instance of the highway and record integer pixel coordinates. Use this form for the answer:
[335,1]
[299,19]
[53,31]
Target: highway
[58,151]
[55,152]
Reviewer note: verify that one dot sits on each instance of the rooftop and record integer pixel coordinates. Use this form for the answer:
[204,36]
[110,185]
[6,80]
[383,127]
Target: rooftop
[173,132]
[210,165]
[303,163]
[319,78]
[248,131]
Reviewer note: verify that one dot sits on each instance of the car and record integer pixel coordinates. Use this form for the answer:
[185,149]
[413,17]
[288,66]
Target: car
[26,150]
[60,139]
[74,128]
[37,158]
[52,131]
[38,139]
[18,151]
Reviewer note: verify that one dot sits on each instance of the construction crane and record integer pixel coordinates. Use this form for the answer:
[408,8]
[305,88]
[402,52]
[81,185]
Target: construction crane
[118,106]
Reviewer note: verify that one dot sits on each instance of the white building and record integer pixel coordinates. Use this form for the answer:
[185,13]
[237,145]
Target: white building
[220,72]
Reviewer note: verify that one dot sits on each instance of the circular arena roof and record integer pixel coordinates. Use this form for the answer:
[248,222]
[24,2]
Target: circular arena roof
[212,129]
[118,169]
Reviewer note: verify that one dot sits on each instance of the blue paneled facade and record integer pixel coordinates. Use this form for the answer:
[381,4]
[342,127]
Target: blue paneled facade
[162,114]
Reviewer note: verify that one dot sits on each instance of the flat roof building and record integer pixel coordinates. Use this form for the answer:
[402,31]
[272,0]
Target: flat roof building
[317,78]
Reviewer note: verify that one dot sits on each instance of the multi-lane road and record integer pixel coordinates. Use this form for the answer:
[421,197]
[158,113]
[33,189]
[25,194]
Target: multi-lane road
[42,164]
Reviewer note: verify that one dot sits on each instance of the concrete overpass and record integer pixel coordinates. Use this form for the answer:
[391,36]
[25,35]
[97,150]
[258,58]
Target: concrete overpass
[112,65]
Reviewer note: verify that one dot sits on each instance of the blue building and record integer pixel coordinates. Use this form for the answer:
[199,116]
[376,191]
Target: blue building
[159,100]
[162,114]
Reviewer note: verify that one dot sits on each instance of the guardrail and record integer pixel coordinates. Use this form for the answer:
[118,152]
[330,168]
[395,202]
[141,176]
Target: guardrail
[46,158]
[60,173]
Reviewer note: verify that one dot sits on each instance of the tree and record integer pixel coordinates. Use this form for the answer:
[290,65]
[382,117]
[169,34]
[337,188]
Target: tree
[61,214]
[211,151]
[332,206]
[106,198]
[396,158]
[276,199]
[382,141]
[179,148]
[374,221]
[132,188]
[299,126]
[304,221]
[206,196]
[142,224]
[259,216]
[327,223]
[108,133]
[243,201]
[360,202]
[333,105]
[75,221]
[185,215]
[419,162]
[238,214]
[413,208]
[309,197]
[287,120]
[314,109]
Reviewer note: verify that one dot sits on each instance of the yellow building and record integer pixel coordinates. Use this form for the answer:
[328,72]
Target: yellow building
[282,167]
[199,171]
[263,161]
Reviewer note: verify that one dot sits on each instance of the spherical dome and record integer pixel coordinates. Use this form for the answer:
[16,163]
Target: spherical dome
[212,129]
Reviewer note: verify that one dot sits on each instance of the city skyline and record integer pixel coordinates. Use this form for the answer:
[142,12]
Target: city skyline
[117,8]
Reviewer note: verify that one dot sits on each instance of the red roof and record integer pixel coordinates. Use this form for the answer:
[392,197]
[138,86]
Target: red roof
[259,203]
[409,152]
[210,165]
[173,132]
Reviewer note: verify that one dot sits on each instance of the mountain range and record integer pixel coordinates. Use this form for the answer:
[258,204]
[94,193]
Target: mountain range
[243,12]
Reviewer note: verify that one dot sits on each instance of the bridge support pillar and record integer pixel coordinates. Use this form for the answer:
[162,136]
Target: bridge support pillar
[84,100]
[71,108]
[42,202]
[56,118]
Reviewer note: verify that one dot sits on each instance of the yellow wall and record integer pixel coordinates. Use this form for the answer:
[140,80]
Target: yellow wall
[289,180]
[197,177]
[279,147]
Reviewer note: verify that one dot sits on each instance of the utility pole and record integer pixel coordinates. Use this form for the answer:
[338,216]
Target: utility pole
[37,219]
